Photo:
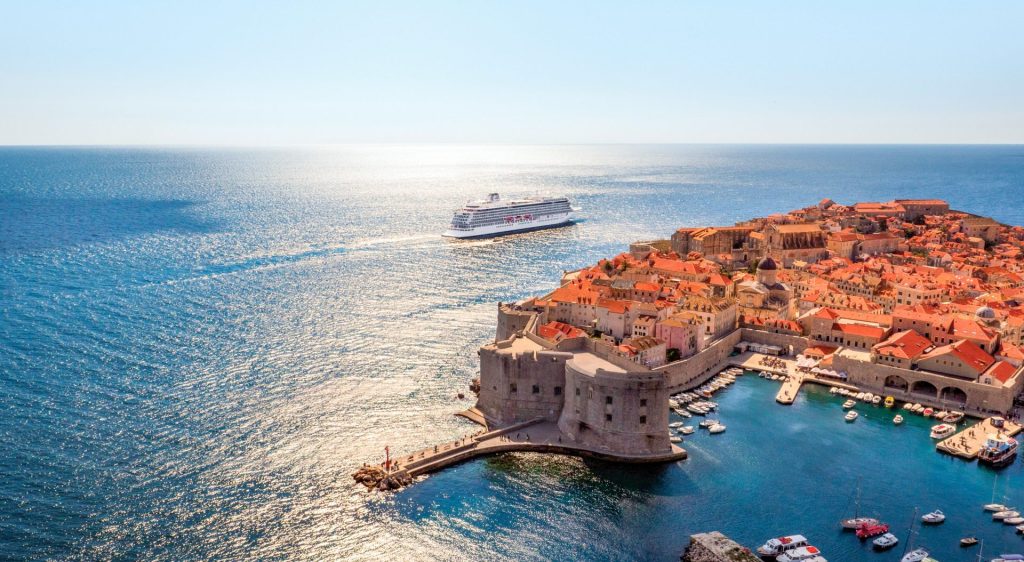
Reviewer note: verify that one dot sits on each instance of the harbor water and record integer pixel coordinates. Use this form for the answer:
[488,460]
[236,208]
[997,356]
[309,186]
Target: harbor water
[198,347]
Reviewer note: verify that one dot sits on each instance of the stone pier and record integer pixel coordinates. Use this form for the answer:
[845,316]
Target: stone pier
[967,444]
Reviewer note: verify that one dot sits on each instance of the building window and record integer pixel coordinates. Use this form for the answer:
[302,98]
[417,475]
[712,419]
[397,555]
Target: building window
[643,420]
[643,402]
[607,417]
[577,391]
[512,388]
[607,399]
[536,389]
[558,391]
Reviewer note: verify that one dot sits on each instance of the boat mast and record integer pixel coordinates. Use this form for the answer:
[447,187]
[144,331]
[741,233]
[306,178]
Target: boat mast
[910,534]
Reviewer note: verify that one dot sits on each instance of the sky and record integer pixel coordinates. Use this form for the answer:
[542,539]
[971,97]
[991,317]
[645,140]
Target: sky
[704,71]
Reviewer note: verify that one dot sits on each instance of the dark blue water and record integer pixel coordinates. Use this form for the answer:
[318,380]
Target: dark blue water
[198,346]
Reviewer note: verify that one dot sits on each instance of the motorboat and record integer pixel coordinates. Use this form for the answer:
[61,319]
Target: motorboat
[876,400]
[675,425]
[927,412]
[855,523]
[916,555]
[999,450]
[851,415]
[849,404]
[954,417]
[940,415]
[867,531]
[686,429]
[885,541]
[717,428]
[969,541]
[704,424]
[890,401]
[801,554]
[917,409]
[934,518]
[1000,515]
[942,431]
[908,406]
[1009,558]
[780,545]
[898,419]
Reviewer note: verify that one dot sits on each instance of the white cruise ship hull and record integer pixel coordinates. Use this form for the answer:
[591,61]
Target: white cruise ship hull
[546,221]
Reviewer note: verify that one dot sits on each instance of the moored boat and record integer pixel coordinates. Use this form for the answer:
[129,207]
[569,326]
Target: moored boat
[867,531]
[885,541]
[898,419]
[851,415]
[849,404]
[953,417]
[855,523]
[675,439]
[717,428]
[999,450]
[777,546]
[1013,521]
[686,429]
[890,401]
[934,518]
[916,555]
[802,554]
[942,431]
[969,541]
[1000,515]
[927,412]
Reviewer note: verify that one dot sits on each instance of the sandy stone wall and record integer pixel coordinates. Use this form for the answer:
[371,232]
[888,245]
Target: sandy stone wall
[696,369]
[716,547]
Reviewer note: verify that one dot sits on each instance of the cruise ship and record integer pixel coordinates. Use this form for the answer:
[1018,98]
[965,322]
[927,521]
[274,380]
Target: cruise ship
[494,216]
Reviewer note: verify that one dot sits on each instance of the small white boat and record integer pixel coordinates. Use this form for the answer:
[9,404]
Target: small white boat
[917,409]
[675,439]
[994,507]
[1013,521]
[717,428]
[1020,528]
[908,406]
[898,419]
[849,404]
[876,400]
[775,547]
[851,416]
[704,424]
[953,417]
[675,425]
[885,541]
[916,555]
[803,554]
[1000,515]
[934,518]
[942,431]
[686,429]
[1009,558]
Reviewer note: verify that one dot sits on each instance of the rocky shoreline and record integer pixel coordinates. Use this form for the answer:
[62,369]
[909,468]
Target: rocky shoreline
[716,547]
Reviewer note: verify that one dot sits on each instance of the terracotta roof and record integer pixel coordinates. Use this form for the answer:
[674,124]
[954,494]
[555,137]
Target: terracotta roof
[1001,371]
[972,356]
[907,344]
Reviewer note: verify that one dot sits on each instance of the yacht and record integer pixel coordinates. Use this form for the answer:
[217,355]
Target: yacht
[775,547]
[998,450]
[851,415]
[942,431]
[495,216]
[802,554]
[885,541]
[934,518]
[916,555]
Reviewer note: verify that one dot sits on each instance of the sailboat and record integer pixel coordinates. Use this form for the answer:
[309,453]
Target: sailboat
[856,522]
[918,554]
[995,506]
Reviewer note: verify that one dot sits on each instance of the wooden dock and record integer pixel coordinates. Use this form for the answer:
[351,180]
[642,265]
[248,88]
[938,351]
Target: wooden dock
[967,444]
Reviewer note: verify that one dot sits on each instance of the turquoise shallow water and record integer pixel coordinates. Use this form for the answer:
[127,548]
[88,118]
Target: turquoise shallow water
[197,347]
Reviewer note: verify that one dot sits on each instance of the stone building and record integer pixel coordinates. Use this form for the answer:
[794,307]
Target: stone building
[786,243]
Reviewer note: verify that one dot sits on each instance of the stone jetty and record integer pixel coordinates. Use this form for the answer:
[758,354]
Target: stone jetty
[967,444]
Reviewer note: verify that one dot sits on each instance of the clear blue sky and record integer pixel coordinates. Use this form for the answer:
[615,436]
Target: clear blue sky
[281,73]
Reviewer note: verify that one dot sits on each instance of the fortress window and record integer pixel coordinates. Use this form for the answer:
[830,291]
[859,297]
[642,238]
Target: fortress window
[558,391]
[643,420]
[607,417]
[512,388]
[577,391]
[536,389]
[643,402]
[607,399]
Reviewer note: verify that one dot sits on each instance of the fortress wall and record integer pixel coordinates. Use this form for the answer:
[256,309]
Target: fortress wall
[511,321]
[694,370]
[516,387]
[634,422]
[981,398]
[799,343]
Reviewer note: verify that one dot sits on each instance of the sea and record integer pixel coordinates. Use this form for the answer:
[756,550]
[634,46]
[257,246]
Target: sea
[198,346]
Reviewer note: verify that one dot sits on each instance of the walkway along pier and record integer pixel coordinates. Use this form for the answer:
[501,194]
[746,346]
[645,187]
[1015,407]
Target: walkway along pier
[967,444]
[531,436]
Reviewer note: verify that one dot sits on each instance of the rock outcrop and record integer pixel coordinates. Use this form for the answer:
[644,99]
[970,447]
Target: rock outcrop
[376,478]
[716,547]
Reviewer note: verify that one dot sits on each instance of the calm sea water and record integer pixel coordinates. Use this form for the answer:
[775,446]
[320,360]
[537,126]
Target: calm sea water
[197,347]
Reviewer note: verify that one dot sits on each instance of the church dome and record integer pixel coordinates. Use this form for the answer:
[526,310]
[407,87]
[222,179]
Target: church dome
[985,312]
[767,264]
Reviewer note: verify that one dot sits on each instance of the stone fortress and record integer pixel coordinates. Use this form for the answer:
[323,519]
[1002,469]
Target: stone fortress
[600,356]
